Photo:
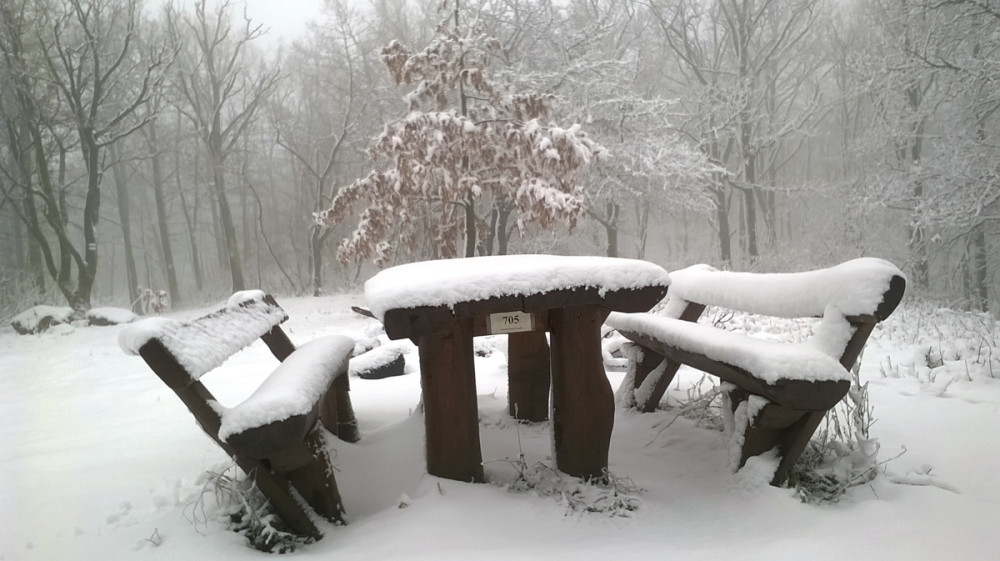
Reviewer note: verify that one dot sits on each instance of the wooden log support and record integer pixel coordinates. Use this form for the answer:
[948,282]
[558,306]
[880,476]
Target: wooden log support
[645,366]
[651,360]
[528,376]
[337,412]
[278,343]
[191,392]
[582,400]
[793,441]
[776,426]
[451,414]
[279,494]
[314,483]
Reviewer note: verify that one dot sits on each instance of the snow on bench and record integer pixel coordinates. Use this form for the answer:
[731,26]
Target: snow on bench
[798,382]
[275,434]
[293,389]
[203,345]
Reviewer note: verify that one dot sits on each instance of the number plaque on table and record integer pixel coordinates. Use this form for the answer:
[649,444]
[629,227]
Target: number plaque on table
[511,322]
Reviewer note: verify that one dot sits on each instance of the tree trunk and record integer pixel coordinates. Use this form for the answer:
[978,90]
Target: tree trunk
[124,215]
[190,219]
[91,216]
[980,287]
[611,228]
[246,222]
[35,264]
[744,29]
[911,155]
[750,202]
[918,247]
[161,215]
[722,223]
[503,236]
[470,227]
[55,216]
[19,240]
[642,211]
[228,227]
[316,240]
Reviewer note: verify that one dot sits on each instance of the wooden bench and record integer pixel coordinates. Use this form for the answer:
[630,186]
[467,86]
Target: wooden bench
[778,393]
[276,435]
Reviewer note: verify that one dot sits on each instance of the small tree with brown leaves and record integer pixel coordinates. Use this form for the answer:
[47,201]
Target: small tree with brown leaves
[478,156]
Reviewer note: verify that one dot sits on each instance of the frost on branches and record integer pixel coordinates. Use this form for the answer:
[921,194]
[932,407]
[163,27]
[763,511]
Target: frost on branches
[467,157]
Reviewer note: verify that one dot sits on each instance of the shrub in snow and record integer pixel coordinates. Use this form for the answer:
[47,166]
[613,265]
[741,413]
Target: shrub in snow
[486,346]
[842,454]
[945,344]
[110,316]
[153,301]
[246,510]
[701,402]
[610,495]
[41,318]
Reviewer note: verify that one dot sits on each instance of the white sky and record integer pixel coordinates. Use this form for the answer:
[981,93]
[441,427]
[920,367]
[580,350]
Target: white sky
[285,19]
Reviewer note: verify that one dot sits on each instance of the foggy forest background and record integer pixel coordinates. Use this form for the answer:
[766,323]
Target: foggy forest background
[161,148]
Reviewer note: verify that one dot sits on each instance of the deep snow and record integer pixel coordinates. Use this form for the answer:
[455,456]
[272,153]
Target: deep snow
[99,460]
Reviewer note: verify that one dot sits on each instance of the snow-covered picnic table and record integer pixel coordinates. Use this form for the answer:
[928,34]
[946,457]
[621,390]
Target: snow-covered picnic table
[441,305]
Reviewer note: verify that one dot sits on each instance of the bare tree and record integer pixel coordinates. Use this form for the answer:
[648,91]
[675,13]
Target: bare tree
[750,81]
[321,117]
[91,84]
[938,104]
[221,97]
[594,55]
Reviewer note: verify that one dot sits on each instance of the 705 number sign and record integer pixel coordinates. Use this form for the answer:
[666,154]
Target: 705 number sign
[510,322]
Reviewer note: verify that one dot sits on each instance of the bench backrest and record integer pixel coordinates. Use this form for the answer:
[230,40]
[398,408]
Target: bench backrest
[865,287]
[865,291]
[180,352]
[203,344]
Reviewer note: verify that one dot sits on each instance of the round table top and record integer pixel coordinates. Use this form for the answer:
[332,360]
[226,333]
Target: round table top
[418,297]
[447,282]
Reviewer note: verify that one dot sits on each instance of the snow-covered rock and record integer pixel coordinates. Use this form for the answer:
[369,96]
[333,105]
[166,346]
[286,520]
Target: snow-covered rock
[110,316]
[40,318]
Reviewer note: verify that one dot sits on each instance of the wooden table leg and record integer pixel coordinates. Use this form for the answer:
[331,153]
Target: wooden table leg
[583,408]
[451,414]
[528,375]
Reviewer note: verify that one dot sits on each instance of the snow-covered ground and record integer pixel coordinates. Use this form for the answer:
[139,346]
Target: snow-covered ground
[99,460]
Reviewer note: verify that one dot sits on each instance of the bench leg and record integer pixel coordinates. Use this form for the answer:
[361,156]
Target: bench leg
[336,411]
[278,493]
[528,376]
[653,374]
[789,430]
[316,483]
[794,441]
[451,413]
[583,405]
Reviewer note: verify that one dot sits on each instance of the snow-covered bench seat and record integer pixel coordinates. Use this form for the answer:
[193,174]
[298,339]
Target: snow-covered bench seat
[778,392]
[275,435]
